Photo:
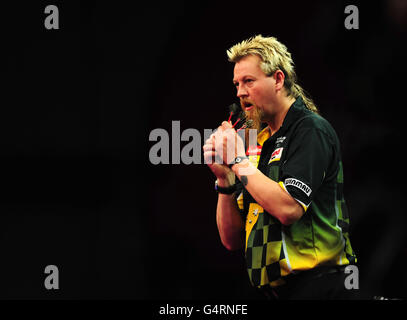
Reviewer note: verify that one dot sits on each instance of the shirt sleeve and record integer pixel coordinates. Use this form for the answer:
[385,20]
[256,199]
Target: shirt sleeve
[306,165]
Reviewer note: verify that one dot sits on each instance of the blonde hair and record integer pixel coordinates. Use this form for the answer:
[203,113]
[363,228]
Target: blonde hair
[274,56]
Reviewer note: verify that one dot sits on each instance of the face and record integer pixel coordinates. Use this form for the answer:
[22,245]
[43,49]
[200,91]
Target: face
[255,90]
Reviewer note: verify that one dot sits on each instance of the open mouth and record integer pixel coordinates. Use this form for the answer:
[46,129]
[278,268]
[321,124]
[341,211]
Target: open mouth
[247,106]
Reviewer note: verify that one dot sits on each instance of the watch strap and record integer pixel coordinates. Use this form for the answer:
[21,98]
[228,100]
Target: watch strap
[225,190]
[238,160]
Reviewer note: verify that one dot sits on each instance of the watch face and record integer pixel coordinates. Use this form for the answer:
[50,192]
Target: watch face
[238,160]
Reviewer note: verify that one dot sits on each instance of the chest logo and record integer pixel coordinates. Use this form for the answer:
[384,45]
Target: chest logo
[254,151]
[276,155]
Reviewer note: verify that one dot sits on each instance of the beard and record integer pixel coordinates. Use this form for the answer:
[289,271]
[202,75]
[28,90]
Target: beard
[255,116]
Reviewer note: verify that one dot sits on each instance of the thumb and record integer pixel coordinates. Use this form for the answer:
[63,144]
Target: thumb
[226,125]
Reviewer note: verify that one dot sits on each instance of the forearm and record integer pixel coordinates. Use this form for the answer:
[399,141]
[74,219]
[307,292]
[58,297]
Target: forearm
[268,193]
[229,221]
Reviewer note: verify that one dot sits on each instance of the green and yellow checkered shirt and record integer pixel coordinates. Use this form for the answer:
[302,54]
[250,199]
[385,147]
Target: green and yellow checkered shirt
[303,156]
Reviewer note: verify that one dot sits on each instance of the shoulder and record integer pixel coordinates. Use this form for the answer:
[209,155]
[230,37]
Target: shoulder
[312,122]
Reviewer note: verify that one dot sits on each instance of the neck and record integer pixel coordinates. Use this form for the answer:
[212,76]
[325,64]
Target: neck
[278,118]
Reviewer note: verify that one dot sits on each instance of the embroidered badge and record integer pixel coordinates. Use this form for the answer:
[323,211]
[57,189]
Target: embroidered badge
[276,155]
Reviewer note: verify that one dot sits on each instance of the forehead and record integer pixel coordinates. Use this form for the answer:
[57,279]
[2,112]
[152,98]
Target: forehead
[249,65]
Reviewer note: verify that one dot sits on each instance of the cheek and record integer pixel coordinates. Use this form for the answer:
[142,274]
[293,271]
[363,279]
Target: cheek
[265,93]
[258,95]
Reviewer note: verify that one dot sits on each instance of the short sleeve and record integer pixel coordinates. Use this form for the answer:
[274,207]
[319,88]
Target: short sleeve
[306,165]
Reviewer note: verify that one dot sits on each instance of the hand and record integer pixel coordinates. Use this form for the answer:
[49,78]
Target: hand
[214,162]
[224,143]
[228,143]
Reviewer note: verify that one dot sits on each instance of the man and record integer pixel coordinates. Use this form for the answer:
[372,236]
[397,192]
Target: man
[282,201]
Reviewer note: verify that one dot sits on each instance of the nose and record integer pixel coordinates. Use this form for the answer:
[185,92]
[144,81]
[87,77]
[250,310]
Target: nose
[241,91]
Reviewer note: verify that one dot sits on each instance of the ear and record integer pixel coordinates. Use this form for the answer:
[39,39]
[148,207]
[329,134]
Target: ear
[279,78]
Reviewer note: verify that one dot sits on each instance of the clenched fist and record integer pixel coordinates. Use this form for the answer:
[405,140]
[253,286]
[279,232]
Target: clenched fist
[221,149]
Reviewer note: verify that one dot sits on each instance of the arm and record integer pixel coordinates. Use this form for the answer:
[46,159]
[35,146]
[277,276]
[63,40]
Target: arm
[268,193]
[229,221]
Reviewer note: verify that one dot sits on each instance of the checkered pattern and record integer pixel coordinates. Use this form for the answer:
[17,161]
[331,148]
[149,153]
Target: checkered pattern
[264,244]
[343,216]
[264,251]
[321,236]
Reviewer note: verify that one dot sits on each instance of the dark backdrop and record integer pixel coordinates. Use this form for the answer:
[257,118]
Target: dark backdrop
[78,104]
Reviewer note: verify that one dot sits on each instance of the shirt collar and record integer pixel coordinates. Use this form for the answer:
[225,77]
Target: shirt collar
[296,110]
[263,135]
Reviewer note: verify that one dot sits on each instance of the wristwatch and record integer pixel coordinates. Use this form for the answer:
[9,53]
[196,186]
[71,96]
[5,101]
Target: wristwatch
[228,190]
[238,160]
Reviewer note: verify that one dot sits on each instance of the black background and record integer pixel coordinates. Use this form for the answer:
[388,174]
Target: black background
[78,104]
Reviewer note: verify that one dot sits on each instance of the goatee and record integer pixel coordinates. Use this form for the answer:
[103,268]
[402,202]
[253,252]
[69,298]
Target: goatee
[254,117]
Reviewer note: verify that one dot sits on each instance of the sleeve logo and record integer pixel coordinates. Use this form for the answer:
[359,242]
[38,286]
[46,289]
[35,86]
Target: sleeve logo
[300,185]
[276,155]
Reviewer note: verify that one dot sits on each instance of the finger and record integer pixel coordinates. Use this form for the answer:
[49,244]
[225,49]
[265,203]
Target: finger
[218,136]
[209,141]
[219,130]
[229,149]
[208,147]
[226,125]
[209,154]
[218,143]
[210,157]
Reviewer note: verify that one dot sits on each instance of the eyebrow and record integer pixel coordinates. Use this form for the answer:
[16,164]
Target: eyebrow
[243,78]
